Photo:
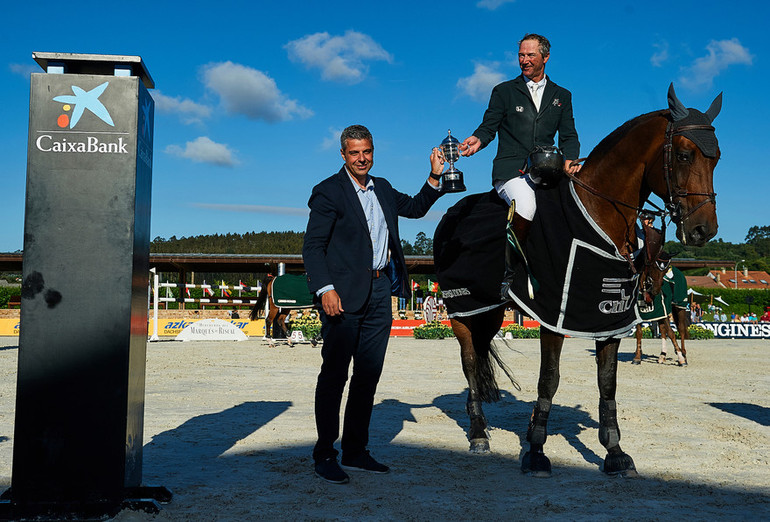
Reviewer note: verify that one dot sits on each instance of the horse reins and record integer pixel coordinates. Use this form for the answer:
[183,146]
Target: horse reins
[658,212]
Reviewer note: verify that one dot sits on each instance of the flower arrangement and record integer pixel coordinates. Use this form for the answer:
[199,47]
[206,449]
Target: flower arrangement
[520,332]
[309,324]
[433,330]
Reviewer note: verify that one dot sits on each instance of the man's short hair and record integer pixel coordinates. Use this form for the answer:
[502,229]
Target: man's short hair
[545,45]
[355,132]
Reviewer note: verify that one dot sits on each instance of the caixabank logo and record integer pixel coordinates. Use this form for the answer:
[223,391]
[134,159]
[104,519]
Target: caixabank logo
[71,108]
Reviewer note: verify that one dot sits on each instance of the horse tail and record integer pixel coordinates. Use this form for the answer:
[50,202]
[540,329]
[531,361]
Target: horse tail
[261,299]
[486,359]
[504,367]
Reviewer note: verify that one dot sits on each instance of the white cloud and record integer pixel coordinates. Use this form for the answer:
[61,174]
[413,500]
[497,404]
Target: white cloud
[492,4]
[204,150]
[340,58]
[188,110]
[332,141]
[24,69]
[256,209]
[479,85]
[250,92]
[660,55]
[721,55]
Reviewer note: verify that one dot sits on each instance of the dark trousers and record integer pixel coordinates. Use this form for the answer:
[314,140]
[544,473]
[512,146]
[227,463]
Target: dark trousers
[363,337]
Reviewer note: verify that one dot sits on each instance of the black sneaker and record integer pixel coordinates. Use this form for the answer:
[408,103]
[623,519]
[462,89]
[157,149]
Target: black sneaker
[330,471]
[364,462]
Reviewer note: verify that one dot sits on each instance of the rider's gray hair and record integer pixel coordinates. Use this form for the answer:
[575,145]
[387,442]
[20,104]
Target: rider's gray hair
[545,45]
[355,132]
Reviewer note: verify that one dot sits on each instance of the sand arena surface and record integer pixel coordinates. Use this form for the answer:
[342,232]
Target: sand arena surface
[229,429]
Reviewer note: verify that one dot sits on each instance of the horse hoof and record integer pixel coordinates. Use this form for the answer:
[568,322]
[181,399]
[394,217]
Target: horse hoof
[636,361]
[536,465]
[620,464]
[661,359]
[313,342]
[479,446]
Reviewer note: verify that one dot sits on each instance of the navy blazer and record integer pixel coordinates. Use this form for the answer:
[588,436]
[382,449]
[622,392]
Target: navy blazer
[520,126]
[338,249]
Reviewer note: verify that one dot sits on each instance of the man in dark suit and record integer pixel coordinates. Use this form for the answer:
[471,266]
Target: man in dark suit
[524,113]
[354,261]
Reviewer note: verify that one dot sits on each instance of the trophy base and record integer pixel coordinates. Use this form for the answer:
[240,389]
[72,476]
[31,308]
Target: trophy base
[453,186]
[453,180]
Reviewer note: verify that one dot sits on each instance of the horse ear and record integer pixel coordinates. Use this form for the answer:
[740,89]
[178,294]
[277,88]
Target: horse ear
[678,110]
[716,106]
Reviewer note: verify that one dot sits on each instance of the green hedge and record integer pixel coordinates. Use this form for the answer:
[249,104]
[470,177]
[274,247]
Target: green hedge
[6,292]
[693,332]
[736,299]
[434,330]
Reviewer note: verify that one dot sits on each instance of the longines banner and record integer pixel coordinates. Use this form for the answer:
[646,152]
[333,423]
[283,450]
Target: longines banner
[739,330]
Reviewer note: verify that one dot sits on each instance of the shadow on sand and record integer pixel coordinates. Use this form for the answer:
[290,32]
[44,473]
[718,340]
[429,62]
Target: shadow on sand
[212,475]
[753,412]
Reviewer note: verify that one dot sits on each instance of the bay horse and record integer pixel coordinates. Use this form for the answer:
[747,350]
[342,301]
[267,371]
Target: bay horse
[276,315]
[671,153]
[663,292]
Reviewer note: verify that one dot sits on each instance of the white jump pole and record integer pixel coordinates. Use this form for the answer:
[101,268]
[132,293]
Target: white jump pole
[154,336]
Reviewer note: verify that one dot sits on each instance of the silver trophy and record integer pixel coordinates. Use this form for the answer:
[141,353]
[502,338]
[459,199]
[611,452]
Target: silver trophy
[453,178]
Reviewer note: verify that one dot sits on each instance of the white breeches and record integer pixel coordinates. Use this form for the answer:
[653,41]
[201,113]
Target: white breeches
[522,191]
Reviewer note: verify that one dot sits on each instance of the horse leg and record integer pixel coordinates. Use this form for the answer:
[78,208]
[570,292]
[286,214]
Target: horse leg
[269,319]
[681,320]
[662,327]
[534,461]
[281,319]
[475,333]
[638,354]
[667,332]
[616,462]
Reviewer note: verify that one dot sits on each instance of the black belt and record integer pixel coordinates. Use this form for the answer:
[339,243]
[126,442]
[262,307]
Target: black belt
[377,273]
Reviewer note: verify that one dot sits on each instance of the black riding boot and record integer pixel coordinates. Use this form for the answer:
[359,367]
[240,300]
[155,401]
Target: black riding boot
[514,251]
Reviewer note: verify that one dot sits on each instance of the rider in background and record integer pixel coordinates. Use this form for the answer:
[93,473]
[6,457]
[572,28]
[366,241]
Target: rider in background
[525,112]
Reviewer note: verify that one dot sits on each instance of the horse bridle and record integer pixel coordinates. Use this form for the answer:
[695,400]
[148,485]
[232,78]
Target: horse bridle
[676,193]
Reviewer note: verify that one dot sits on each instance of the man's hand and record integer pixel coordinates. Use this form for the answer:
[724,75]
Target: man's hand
[571,168]
[331,303]
[436,165]
[470,146]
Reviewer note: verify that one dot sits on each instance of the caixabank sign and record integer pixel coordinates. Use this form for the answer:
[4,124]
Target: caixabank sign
[82,115]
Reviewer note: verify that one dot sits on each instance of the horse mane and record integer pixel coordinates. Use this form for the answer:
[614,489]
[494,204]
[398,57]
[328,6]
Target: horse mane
[615,136]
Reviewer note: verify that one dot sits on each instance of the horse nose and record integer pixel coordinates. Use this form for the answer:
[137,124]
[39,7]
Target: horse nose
[700,234]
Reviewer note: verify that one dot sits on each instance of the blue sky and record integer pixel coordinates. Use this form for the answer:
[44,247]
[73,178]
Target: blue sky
[251,96]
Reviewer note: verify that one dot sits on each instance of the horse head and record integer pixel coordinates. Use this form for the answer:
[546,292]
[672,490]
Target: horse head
[691,152]
[653,276]
[654,263]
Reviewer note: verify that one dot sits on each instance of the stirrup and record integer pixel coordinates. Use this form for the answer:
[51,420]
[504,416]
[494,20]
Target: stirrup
[512,243]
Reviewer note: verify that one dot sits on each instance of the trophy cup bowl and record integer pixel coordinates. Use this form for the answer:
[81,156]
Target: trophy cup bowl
[452,178]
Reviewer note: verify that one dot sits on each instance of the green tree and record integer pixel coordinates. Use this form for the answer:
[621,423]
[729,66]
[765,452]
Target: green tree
[757,234]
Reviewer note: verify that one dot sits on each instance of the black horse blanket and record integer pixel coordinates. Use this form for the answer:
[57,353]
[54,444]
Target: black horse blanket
[468,253]
[587,289]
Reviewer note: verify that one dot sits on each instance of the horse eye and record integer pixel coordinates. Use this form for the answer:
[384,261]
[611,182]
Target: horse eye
[684,156]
